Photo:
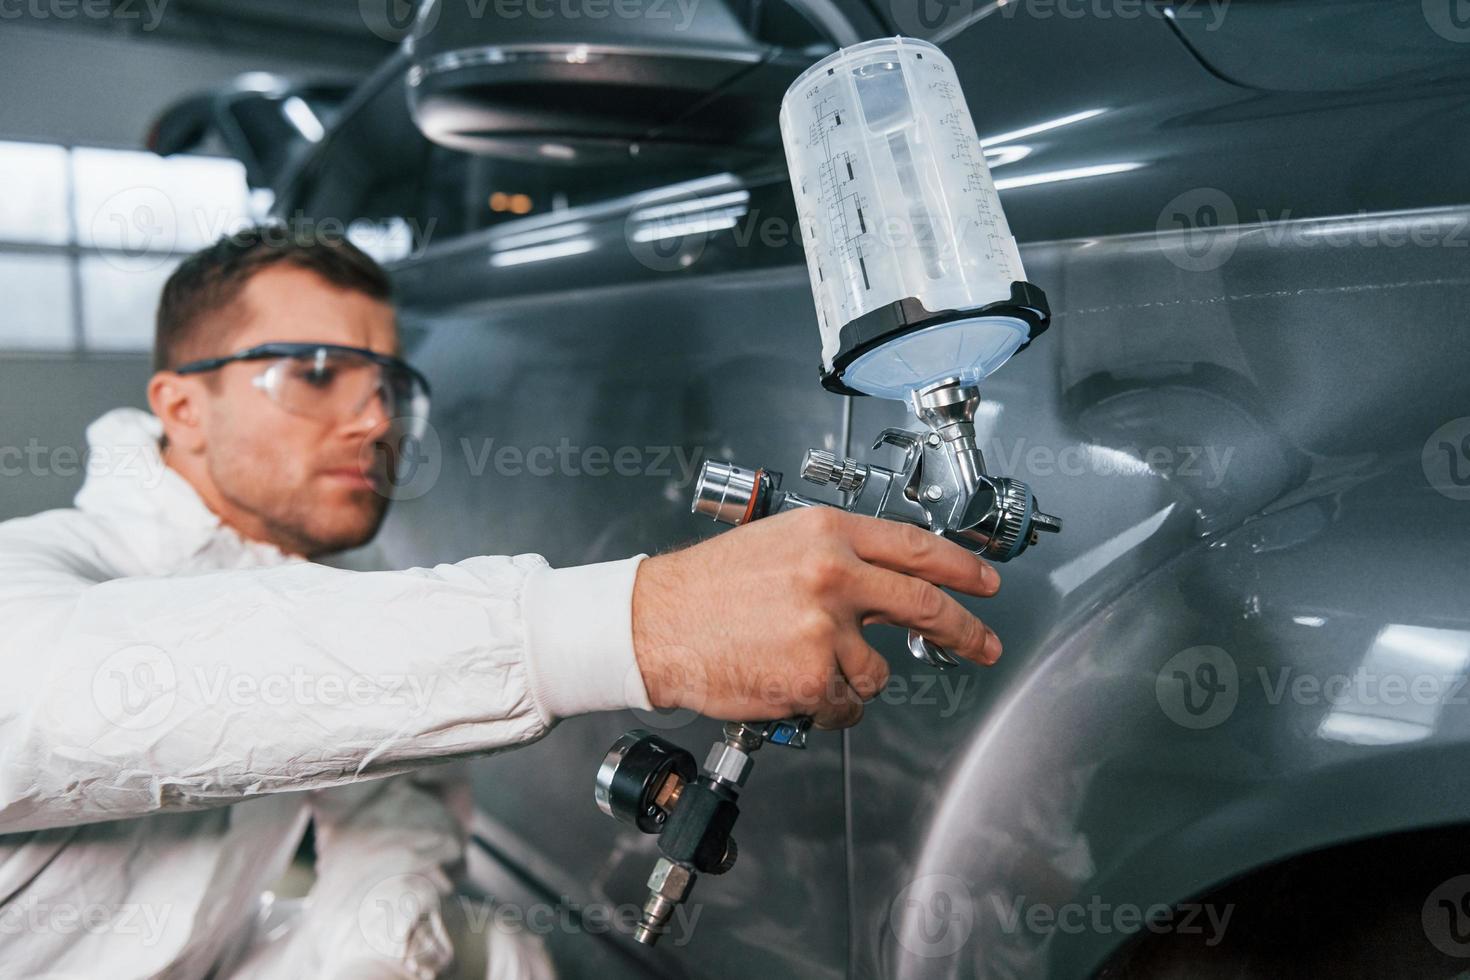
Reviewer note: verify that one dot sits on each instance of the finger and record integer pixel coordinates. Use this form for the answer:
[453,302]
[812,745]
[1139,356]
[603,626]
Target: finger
[902,600]
[915,551]
[864,668]
[838,707]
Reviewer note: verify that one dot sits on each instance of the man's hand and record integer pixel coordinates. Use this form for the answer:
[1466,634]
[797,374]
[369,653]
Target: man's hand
[765,621]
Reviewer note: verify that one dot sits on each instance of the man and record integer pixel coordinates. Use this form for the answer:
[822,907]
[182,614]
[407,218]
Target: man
[185,689]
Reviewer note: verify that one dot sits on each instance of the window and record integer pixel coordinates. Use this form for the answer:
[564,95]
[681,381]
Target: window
[119,300]
[33,207]
[89,235]
[38,313]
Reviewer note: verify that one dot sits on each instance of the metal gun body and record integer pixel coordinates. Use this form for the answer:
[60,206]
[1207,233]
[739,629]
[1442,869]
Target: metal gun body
[940,485]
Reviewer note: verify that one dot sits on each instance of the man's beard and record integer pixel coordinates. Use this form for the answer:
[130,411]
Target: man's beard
[298,527]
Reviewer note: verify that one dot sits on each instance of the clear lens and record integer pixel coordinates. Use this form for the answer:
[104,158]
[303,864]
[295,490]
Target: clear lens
[338,386]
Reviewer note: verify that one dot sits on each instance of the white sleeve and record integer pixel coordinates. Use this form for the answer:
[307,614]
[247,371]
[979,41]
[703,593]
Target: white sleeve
[130,696]
[388,854]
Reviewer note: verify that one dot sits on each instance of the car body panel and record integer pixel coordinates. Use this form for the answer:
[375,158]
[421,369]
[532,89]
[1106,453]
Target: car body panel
[1241,411]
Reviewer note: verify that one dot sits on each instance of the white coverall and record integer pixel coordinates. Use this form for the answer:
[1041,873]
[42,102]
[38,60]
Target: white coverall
[177,702]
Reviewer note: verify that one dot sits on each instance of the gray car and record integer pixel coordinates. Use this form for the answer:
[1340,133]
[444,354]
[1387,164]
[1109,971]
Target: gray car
[1228,735]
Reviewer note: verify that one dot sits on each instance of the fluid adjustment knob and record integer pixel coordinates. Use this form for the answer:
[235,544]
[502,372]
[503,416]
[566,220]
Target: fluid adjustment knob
[826,469]
[1015,520]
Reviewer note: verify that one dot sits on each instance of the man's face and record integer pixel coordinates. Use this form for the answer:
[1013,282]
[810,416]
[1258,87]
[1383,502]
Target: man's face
[308,485]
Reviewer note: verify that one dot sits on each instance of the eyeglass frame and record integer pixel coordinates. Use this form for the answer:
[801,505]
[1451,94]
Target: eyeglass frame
[276,349]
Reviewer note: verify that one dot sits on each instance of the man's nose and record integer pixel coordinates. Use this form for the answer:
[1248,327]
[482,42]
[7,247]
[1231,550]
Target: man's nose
[373,418]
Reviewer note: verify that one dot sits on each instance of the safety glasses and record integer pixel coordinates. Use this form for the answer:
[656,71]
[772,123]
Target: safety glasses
[334,383]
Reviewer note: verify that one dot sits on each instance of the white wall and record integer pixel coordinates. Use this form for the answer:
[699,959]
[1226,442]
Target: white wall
[46,403]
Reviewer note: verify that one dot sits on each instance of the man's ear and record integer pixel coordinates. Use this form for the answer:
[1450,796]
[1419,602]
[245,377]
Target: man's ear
[178,401]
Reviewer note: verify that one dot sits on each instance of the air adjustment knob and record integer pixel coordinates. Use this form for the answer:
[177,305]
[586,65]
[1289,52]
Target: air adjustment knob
[825,469]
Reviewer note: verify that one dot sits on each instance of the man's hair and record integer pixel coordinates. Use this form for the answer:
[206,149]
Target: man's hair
[210,281]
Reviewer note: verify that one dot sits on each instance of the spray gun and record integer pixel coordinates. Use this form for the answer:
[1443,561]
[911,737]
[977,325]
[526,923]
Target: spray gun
[940,485]
[920,295]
